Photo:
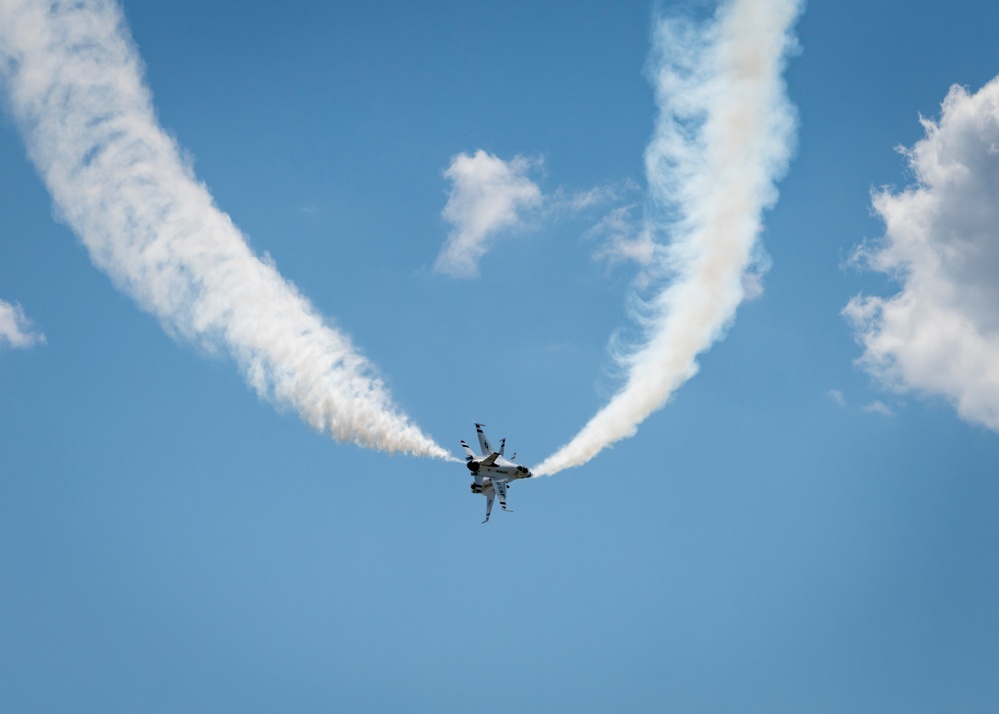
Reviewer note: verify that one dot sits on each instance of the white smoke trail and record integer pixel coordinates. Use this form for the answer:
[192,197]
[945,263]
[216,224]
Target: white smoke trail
[723,137]
[75,87]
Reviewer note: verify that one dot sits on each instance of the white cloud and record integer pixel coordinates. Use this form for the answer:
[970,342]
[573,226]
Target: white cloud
[622,239]
[878,407]
[940,333]
[486,196]
[489,195]
[598,195]
[837,397]
[15,327]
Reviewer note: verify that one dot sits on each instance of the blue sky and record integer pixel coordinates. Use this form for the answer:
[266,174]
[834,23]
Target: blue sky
[771,540]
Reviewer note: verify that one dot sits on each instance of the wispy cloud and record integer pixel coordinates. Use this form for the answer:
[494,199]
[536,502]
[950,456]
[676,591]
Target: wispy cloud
[837,397]
[118,179]
[940,333]
[564,201]
[621,239]
[878,407]
[15,327]
[722,138]
[487,195]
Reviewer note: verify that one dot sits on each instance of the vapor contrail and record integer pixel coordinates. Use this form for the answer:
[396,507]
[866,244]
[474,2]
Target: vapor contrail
[723,137]
[75,87]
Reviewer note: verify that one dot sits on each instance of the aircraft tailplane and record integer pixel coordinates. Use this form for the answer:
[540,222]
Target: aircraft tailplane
[490,494]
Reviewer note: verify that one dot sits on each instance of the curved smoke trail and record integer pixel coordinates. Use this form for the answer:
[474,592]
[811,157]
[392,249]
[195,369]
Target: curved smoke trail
[723,137]
[74,81]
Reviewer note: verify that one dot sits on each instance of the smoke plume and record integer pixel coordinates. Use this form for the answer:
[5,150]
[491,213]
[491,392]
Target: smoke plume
[75,88]
[723,136]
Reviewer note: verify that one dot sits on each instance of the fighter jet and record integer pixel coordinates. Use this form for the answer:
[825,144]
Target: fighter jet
[491,472]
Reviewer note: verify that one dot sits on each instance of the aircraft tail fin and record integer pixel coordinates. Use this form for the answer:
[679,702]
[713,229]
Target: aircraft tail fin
[502,446]
[484,444]
[468,451]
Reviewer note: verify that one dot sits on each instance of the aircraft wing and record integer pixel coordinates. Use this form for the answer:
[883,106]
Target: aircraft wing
[489,460]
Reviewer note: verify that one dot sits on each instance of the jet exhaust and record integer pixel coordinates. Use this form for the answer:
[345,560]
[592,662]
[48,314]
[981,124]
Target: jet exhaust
[723,137]
[74,81]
